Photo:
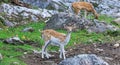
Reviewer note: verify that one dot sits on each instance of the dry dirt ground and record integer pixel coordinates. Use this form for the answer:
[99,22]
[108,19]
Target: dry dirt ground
[107,51]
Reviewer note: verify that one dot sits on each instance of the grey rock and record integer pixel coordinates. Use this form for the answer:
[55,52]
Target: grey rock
[62,18]
[1,9]
[84,59]
[26,13]
[13,40]
[81,23]
[8,23]
[17,15]
[101,27]
[117,15]
[108,7]
[28,29]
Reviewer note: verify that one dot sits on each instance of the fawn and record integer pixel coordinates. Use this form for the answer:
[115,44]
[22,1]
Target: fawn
[88,7]
[55,38]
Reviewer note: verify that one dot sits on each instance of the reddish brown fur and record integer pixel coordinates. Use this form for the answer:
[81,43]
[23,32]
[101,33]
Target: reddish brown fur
[49,32]
[77,6]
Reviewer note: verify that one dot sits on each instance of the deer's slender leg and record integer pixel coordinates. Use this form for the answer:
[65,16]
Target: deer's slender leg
[85,14]
[62,51]
[60,56]
[44,49]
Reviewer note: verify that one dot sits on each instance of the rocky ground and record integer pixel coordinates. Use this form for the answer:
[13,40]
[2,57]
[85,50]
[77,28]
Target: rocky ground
[107,51]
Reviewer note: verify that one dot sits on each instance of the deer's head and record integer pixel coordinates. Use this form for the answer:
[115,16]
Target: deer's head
[70,27]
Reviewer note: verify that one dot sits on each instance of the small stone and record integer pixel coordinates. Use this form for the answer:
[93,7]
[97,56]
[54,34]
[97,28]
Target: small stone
[99,50]
[71,49]
[81,23]
[13,40]
[15,63]
[116,45]
[25,52]
[108,58]
[37,52]
[29,29]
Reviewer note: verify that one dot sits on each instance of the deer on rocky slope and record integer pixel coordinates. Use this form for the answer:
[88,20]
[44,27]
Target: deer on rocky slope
[55,38]
[88,7]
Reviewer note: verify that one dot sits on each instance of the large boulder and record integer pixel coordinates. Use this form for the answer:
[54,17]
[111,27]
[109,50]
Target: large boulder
[62,18]
[58,5]
[24,12]
[58,20]
[13,40]
[84,59]
[17,15]
[109,7]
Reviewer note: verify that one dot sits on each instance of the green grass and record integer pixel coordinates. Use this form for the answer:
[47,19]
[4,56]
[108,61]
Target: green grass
[18,31]
[11,53]
[12,61]
[106,18]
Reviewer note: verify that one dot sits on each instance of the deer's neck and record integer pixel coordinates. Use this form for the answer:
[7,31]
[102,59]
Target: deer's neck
[68,35]
[95,14]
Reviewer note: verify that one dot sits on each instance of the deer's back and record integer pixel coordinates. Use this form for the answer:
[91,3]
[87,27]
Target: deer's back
[82,5]
[47,34]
